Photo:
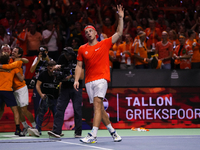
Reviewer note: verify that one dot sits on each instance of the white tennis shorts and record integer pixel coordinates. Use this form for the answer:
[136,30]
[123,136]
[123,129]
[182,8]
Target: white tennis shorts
[96,88]
[21,96]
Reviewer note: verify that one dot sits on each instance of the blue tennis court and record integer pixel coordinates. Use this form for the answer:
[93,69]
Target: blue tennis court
[165,139]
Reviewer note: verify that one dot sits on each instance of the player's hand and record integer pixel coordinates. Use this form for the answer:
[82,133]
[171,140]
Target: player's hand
[120,10]
[76,85]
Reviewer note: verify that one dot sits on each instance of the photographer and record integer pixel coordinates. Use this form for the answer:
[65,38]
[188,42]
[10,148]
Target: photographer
[39,65]
[68,62]
[48,89]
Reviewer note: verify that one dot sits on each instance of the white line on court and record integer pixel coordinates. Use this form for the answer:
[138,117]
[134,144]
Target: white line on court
[163,136]
[85,145]
[17,137]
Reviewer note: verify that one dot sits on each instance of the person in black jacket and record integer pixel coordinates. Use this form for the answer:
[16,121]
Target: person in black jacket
[67,62]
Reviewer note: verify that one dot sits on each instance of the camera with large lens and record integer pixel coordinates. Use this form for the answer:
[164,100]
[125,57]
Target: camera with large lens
[63,73]
[66,69]
[43,49]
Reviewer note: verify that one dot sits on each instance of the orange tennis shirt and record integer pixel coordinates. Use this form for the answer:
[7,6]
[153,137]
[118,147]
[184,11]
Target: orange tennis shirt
[96,60]
[17,84]
[6,81]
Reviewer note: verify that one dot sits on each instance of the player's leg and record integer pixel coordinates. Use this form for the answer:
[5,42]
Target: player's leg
[106,122]
[17,120]
[22,98]
[96,91]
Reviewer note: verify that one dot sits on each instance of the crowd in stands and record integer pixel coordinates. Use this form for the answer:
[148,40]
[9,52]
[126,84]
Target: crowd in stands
[166,29]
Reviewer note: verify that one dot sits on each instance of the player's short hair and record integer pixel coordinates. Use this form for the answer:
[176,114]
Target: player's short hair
[4,58]
[20,51]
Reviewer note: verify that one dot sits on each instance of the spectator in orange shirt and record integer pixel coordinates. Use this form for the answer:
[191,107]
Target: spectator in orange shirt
[140,52]
[137,38]
[173,38]
[114,60]
[34,40]
[153,35]
[164,50]
[183,54]
[20,37]
[196,49]
[125,53]
[107,26]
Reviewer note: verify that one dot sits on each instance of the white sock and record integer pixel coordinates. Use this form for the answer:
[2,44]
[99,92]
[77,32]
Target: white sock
[25,125]
[110,128]
[33,124]
[94,131]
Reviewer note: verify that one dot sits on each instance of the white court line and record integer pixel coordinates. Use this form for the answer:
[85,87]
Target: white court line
[163,136]
[85,145]
[16,137]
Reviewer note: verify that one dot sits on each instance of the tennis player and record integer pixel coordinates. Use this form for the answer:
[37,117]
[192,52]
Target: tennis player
[95,56]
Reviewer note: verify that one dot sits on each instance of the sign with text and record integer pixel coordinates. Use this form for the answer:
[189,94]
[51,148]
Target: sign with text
[150,107]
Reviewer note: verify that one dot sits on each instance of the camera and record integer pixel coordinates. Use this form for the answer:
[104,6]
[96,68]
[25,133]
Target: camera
[43,49]
[69,51]
[63,73]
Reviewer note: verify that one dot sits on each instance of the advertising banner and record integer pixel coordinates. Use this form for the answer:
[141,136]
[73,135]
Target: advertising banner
[149,107]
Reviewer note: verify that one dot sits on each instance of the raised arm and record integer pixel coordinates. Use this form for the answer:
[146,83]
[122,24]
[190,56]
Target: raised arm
[119,31]
[24,60]
[78,72]
[34,65]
